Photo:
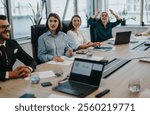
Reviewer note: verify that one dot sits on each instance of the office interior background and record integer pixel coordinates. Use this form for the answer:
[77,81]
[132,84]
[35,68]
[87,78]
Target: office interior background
[21,14]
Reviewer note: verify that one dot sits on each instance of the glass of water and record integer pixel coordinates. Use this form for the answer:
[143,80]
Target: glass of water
[134,85]
[34,78]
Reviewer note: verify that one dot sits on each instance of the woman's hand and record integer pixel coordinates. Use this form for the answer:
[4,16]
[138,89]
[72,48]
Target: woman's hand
[138,34]
[116,16]
[111,11]
[96,44]
[97,13]
[90,44]
[70,52]
[57,59]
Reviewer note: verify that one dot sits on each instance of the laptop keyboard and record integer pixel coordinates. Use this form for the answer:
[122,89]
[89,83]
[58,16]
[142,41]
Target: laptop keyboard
[113,66]
[73,88]
[141,47]
[74,85]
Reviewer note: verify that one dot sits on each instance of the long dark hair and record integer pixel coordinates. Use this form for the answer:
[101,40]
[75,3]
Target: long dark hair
[71,25]
[57,17]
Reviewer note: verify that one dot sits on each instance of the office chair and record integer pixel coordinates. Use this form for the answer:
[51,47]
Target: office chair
[36,32]
[93,34]
[65,25]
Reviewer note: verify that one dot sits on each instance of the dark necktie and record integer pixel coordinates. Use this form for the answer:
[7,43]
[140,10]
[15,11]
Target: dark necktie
[3,54]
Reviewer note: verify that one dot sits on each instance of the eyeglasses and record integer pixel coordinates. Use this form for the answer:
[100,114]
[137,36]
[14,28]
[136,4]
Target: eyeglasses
[5,26]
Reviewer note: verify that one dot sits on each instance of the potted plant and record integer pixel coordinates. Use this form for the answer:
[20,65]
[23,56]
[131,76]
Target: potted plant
[123,23]
[37,13]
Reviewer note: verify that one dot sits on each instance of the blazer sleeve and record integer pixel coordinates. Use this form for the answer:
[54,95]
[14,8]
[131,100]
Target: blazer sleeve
[25,58]
[2,76]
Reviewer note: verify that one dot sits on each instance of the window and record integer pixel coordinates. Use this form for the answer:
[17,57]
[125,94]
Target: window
[58,6]
[146,16]
[2,7]
[22,13]
[128,9]
[82,11]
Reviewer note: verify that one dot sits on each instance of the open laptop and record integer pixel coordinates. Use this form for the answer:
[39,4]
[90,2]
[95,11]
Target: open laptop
[122,38]
[84,78]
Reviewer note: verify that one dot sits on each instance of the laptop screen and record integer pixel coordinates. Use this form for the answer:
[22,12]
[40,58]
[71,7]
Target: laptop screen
[122,37]
[87,71]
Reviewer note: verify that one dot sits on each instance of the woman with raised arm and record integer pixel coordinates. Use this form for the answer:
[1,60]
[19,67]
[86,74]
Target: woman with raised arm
[76,38]
[103,27]
[53,43]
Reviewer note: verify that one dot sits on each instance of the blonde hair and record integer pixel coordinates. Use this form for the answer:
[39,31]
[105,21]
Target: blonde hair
[107,16]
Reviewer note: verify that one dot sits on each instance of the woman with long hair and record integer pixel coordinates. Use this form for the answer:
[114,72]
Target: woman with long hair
[76,37]
[53,43]
[103,27]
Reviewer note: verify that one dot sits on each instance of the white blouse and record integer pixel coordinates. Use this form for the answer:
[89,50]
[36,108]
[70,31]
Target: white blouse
[76,39]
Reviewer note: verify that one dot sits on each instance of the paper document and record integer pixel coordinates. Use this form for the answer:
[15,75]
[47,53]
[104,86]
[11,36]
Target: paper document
[65,62]
[44,74]
[68,58]
[96,58]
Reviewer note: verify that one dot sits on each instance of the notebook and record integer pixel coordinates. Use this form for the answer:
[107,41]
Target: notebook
[85,77]
[122,38]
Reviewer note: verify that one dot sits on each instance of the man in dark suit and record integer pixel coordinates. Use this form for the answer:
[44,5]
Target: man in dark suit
[10,50]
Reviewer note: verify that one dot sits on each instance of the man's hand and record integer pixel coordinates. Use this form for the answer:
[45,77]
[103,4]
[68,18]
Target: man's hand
[20,72]
[24,71]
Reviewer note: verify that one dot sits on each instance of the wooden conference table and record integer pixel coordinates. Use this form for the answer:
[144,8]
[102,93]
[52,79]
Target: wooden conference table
[116,82]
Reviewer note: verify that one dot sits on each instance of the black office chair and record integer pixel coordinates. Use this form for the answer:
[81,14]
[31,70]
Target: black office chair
[65,25]
[36,32]
[93,34]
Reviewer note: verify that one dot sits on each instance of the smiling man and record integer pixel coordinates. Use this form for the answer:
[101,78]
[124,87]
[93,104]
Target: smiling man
[10,50]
